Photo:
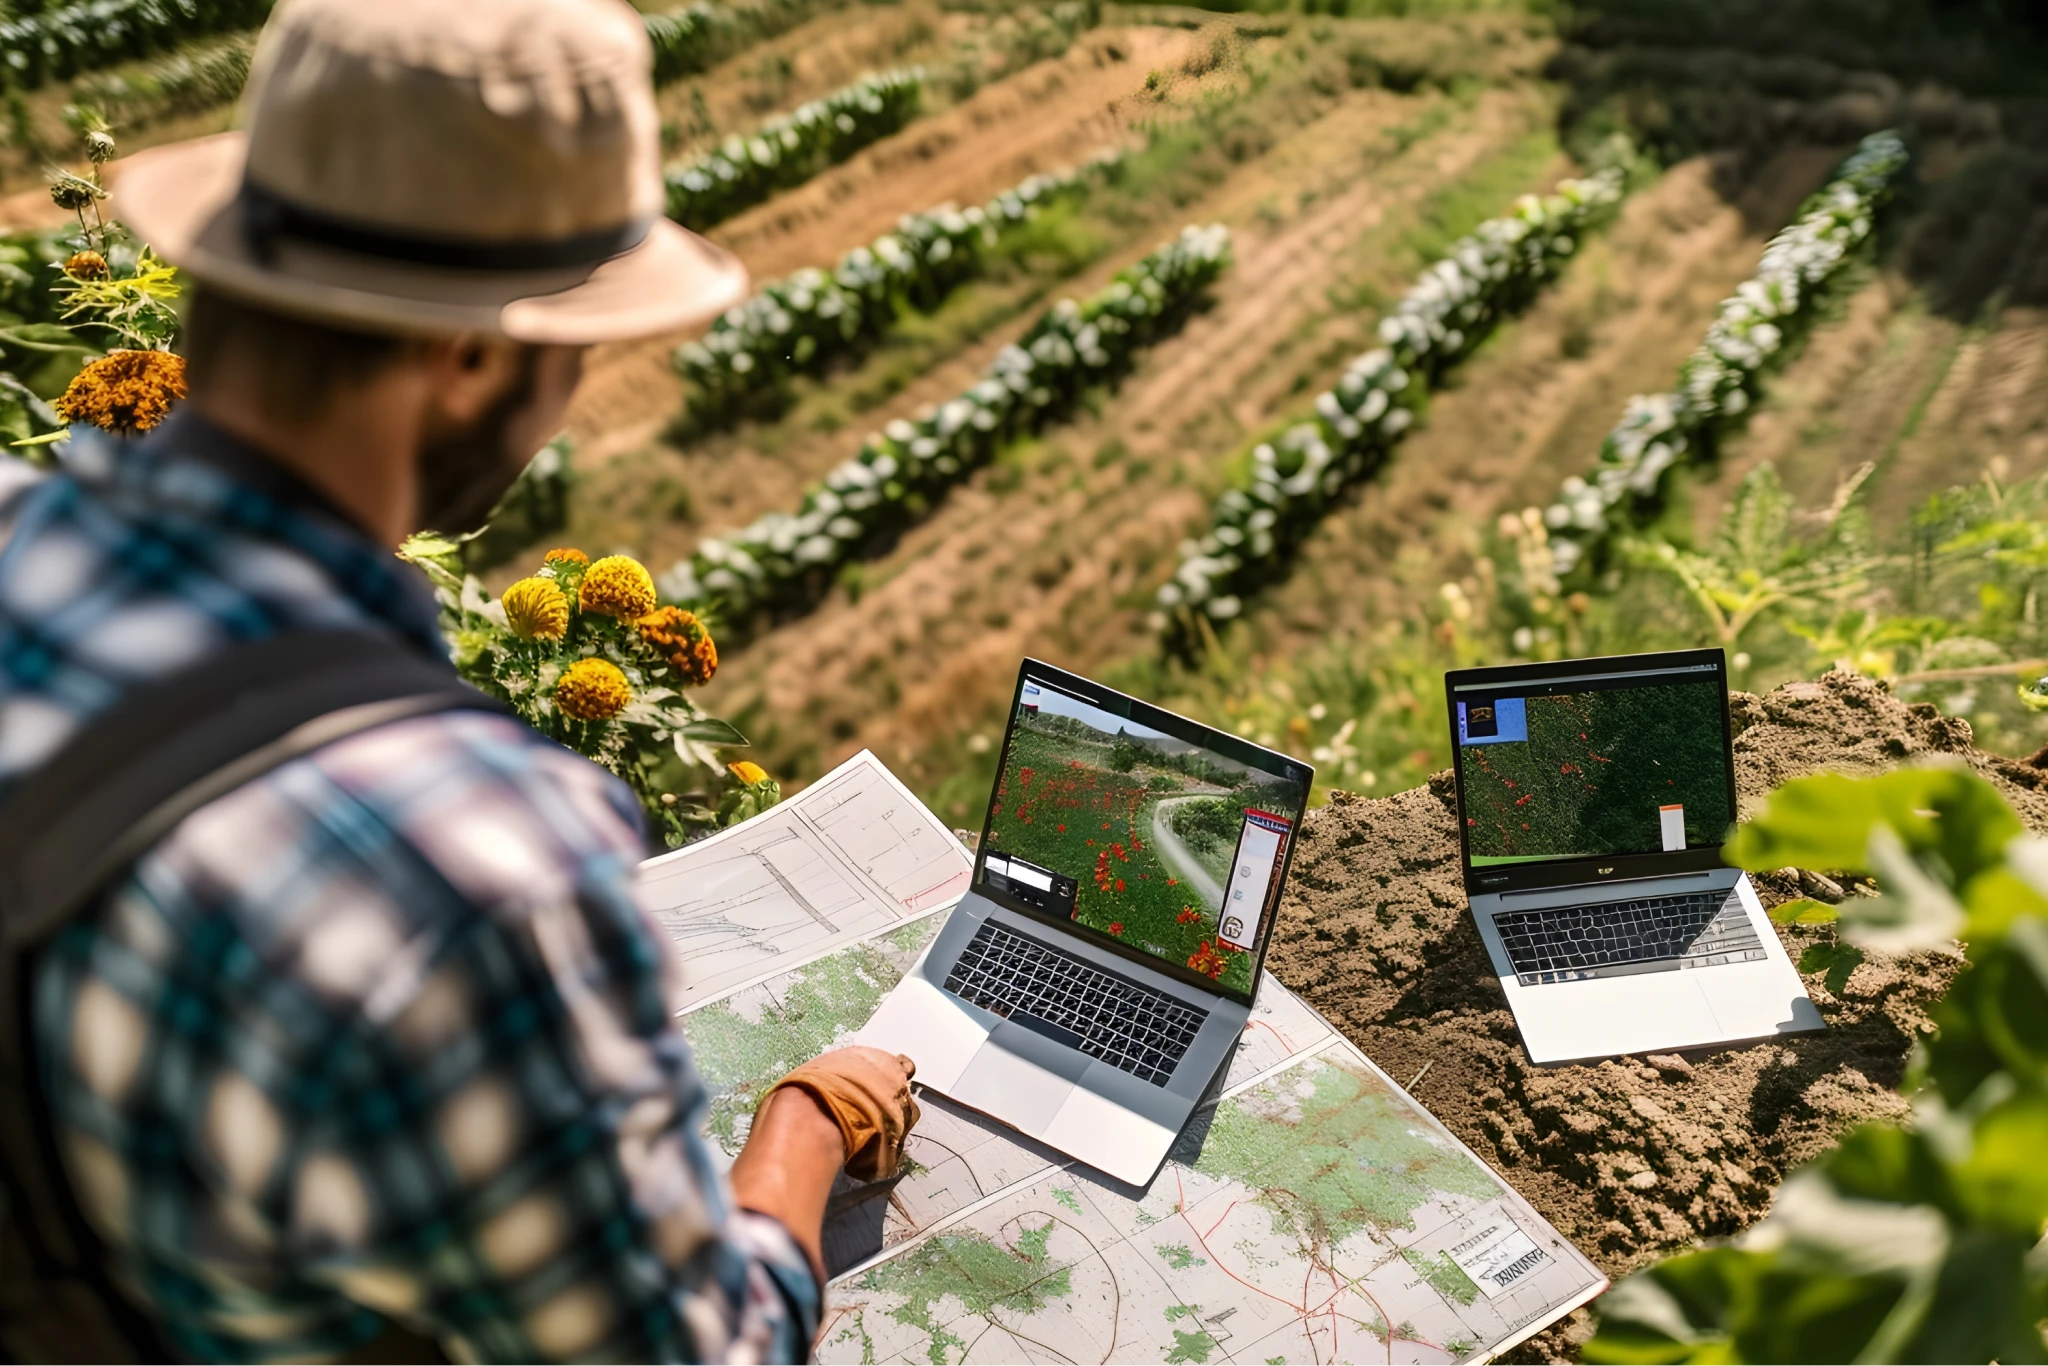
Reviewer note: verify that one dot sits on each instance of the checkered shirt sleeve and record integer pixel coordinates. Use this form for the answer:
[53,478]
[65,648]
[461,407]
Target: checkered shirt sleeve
[384,1035]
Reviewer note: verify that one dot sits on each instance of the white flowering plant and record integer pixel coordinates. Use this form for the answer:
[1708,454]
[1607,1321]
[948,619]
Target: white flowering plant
[791,149]
[1295,480]
[799,324]
[784,558]
[1719,382]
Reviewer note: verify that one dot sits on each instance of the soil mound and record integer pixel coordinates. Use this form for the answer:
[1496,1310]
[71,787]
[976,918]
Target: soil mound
[1633,1156]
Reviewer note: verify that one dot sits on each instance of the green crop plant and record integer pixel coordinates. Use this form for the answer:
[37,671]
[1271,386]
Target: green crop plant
[59,43]
[791,149]
[1754,328]
[801,324]
[784,559]
[1296,480]
[1913,1242]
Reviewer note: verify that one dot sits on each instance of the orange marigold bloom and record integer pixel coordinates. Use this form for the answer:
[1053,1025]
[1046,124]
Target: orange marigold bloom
[87,265]
[566,554]
[126,391]
[682,639]
[617,586]
[592,690]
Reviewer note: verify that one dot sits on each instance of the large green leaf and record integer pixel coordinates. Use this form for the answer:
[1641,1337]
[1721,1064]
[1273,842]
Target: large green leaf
[1946,817]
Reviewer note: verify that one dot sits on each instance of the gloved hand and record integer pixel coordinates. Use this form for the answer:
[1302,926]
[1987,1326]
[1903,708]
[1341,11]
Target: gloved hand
[867,1093]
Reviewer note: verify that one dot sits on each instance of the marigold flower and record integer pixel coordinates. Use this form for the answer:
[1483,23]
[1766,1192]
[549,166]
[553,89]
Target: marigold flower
[747,771]
[536,609]
[592,690]
[87,265]
[565,554]
[683,641]
[126,391]
[617,586]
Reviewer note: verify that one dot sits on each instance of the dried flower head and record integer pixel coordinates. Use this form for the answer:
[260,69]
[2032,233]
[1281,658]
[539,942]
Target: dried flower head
[99,145]
[747,771]
[592,690]
[73,193]
[125,391]
[565,555]
[683,641]
[617,586]
[87,265]
[536,609]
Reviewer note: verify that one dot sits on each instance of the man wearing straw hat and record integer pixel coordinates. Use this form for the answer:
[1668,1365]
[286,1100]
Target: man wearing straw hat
[367,1047]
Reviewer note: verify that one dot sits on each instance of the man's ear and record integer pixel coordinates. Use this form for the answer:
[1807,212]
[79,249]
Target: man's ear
[466,374]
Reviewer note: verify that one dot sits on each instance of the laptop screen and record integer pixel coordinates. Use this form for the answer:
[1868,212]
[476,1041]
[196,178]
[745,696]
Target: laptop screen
[1147,831]
[1593,759]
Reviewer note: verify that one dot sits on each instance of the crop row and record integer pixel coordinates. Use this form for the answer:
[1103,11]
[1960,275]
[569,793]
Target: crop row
[180,83]
[784,558]
[691,39]
[803,322]
[792,148]
[59,43]
[1294,481]
[685,41]
[1659,432]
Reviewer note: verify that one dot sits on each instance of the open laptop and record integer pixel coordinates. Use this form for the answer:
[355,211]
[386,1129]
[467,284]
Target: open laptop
[1594,796]
[1099,969]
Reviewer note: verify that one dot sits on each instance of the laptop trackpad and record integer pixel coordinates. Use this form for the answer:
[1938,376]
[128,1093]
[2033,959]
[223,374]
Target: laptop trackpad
[1014,1089]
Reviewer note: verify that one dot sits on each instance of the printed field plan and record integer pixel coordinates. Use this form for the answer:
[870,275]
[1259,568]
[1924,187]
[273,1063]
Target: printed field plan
[1313,1213]
[853,854]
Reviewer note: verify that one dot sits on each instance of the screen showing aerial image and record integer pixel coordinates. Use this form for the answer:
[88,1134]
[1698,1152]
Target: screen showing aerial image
[1152,841]
[1586,771]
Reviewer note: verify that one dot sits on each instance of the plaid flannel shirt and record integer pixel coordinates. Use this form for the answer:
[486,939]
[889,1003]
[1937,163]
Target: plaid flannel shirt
[381,1035]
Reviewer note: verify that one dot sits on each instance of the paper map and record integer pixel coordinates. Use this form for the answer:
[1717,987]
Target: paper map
[1312,1213]
[854,854]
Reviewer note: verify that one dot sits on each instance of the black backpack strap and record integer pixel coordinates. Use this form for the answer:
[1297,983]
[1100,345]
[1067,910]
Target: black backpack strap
[115,789]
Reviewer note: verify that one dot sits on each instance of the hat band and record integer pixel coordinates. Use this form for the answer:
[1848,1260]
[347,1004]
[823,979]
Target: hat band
[267,218]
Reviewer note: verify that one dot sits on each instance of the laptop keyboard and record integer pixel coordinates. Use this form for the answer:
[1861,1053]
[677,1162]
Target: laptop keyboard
[1653,934]
[1103,1014]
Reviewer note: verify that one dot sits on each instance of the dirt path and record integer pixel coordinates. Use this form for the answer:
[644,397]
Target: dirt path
[1071,542]
[1177,855]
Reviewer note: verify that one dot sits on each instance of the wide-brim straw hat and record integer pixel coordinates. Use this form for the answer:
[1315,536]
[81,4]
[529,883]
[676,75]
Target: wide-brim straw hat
[437,166]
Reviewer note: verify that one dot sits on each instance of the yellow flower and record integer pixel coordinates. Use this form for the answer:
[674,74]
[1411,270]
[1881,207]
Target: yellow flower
[617,586]
[536,609]
[127,391]
[747,771]
[565,555]
[592,690]
[683,641]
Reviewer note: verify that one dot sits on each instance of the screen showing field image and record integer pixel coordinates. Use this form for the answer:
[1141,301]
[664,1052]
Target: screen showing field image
[1147,839]
[1593,772]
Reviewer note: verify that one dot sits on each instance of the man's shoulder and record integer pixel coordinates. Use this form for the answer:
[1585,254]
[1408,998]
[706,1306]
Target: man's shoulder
[410,833]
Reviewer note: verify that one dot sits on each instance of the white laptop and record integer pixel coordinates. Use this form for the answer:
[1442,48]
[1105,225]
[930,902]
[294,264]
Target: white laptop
[1099,970]
[1594,796]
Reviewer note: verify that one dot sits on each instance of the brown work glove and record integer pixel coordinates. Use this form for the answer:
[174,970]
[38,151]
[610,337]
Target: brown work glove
[867,1093]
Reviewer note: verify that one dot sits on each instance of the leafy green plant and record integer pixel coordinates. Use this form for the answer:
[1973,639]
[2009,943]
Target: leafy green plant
[1920,1242]
[59,43]
[1295,481]
[791,149]
[785,559]
[800,324]
[1717,385]
[1755,564]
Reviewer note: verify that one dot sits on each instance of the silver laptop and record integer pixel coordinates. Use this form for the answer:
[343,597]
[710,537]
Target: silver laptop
[1593,799]
[1099,970]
